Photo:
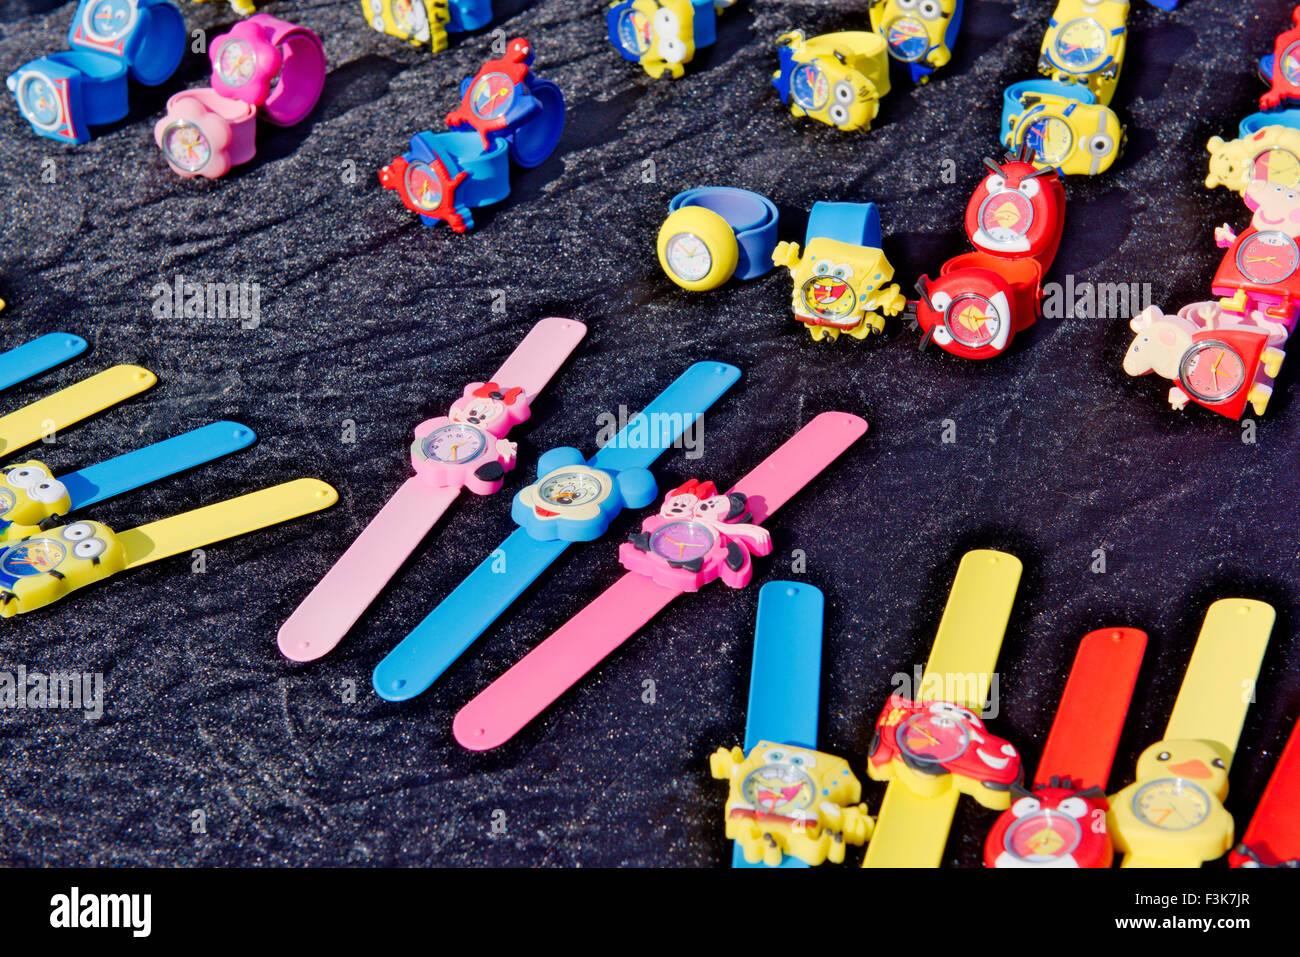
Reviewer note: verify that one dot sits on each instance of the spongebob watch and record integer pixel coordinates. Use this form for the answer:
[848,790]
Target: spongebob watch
[837,78]
[663,35]
[789,805]
[933,747]
[45,417]
[1064,125]
[920,33]
[1273,837]
[426,21]
[842,280]
[1172,815]
[465,449]
[41,354]
[1085,43]
[713,233]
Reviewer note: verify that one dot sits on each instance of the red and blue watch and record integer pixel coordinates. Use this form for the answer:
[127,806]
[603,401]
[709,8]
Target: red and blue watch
[445,175]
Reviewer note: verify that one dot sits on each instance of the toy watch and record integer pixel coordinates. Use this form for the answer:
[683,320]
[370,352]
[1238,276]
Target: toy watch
[465,449]
[572,501]
[715,232]
[1173,814]
[841,280]
[1085,44]
[63,94]
[1063,124]
[1061,820]
[426,21]
[78,401]
[789,805]
[32,499]
[40,355]
[836,78]
[1270,153]
[663,35]
[697,536]
[1014,220]
[42,568]
[933,747]
[920,33]
[1273,837]
[1283,71]
[445,175]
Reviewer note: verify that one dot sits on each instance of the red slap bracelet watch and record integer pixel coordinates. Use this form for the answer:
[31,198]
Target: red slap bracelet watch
[697,536]
[1273,837]
[982,299]
[1061,821]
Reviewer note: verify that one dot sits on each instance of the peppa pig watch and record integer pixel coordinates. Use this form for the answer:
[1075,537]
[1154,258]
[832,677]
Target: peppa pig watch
[698,535]
[467,448]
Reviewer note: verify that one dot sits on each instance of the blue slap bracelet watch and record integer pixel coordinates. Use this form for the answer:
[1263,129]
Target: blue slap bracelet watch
[445,175]
[41,354]
[63,94]
[572,500]
[1064,125]
[713,233]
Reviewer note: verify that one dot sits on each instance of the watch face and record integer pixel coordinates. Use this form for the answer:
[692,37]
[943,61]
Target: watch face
[972,320]
[409,15]
[681,541]
[1290,64]
[1081,44]
[635,31]
[185,146]
[1005,216]
[930,738]
[907,38]
[422,186]
[1043,836]
[1268,257]
[1171,804]
[569,489]
[1212,371]
[454,444]
[809,86]
[110,19]
[829,297]
[30,558]
[779,789]
[688,256]
[491,96]
[39,100]
[7,500]
[236,62]
[1276,165]
[1051,138]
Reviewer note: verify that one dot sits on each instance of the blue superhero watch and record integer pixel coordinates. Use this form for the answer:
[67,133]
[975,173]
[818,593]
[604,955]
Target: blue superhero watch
[445,175]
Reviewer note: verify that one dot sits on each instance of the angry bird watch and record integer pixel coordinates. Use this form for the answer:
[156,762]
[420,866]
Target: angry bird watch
[789,805]
[1061,820]
[1273,837]
[1085,44]
[275,66]
[920,33]
[934,747]
[1063,124]
[465,449]
[713,233]
[572,501]
[697,536]
[1173,813]
[40,355]
[840,281]
[445,175]
[836,78]
[78,401]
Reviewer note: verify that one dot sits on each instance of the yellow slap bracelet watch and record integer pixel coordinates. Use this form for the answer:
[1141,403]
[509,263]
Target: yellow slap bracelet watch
[426,21]
[934,747]
[1172,815]
[837,78]
[45,417]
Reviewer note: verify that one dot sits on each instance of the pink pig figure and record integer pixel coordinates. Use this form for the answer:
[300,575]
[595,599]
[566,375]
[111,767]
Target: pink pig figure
[467,447]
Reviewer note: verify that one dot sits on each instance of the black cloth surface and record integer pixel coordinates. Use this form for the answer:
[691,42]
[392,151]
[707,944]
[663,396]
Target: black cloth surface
[366,316]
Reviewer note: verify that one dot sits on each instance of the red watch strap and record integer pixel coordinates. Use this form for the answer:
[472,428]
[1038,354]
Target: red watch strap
[1081,745]
[1273,836]
[798,461]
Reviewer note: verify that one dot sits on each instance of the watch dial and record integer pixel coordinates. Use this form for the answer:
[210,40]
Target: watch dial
[1051,138]
[1268,257]
[972,320]
[110,19]
[1005,216]
[829,298]
[1290,64]
[688,256]
[681,541]
[39,100]
[492,96]
[907,38]
[422,186]
[30,558]
[1276,165]
[1081,44]
[1043,836]
[569,489]
[7,500]
[454,444]
[930,738]
[809,86]
[1171,804]
[779,789]
[186,147]
[236,62]
[635,31]
[409,15]
[1212,371]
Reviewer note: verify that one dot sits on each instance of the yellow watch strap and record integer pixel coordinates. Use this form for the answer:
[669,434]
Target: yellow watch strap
[911,830]
[1220,680]
[235,516]
[78,401]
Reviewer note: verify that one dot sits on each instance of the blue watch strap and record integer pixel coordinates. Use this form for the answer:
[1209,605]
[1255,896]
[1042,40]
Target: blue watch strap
[661,423]
[471,607]
[160,44]
[857,224]
[33,358]
[469,15]
[1257,121]
[704,24]
[753,218]
[154,462]
[489,170]
[534,140]
[1012,94]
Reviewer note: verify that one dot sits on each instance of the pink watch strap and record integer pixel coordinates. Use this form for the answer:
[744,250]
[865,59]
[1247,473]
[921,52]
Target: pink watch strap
[302,77]
[798,461]
[535,360]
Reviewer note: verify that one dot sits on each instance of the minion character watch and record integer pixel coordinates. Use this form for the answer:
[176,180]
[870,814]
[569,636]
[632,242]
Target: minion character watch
[713,233]
[663,35]
[1085,44]
[1063,124]
[920,33]
[837,78]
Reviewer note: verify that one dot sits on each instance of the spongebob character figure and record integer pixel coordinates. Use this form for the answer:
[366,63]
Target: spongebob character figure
[836,78]
[417,21]
[30,498]
[840,287]
[42,568]
[920,33]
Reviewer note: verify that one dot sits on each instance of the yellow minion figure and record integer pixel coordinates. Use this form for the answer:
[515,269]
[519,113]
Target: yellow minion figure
[30,496]
[1085,44]
[919,33]
[1079,139]
[840,287]
[836,78]
[42,568]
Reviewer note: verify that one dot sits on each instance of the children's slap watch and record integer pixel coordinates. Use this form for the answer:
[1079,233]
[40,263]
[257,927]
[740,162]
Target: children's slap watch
[663,35]
[920,33]
[933,747]
[78,401]
[789,805]
[445,175]
[1063,124]
[1061,821]
[713,233]
[465,449]
[1283,71]
[42,568]
[1270,153]
[41,354]
[32,499]
[426,21]
[836,78]
[1173,814]
[697,536]
[572,501]
[841,282]
[1085,44]
[1273,837]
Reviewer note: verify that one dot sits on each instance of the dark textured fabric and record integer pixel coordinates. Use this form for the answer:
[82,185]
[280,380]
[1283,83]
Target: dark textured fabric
[368,317]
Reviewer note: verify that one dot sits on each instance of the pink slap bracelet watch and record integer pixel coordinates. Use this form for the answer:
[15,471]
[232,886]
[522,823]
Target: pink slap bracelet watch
[698,535]
[273,65]
[466,448]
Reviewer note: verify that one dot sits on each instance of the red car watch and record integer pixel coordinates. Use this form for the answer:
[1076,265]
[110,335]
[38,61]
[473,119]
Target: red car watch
[1273,837]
